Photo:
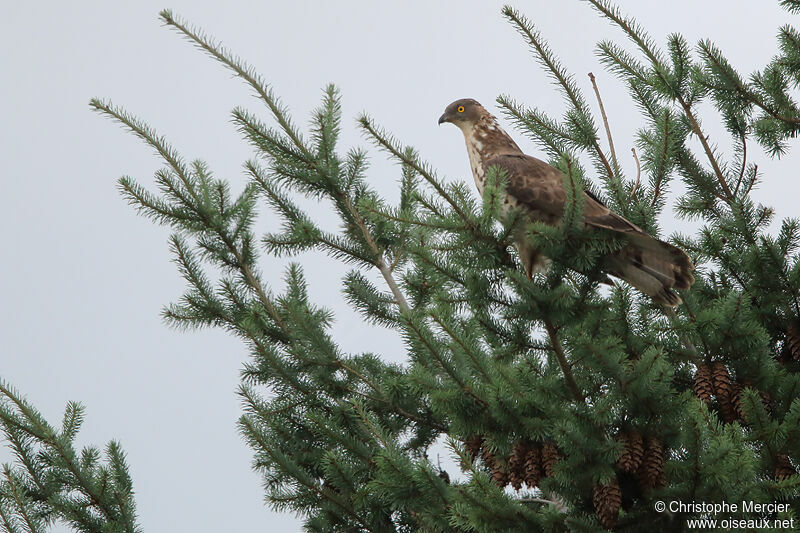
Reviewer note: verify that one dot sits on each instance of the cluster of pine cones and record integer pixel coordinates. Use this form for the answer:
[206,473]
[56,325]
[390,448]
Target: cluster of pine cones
[642,457]
[529,462]
[714,381]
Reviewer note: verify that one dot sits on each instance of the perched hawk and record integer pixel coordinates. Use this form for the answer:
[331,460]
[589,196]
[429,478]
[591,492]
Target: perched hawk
[652,266]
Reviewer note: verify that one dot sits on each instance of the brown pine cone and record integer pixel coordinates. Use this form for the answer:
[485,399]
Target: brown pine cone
[487,456]
[721,380]
[473,446]
[632,450]
[550,457]
[702,386]
[736,400]
[533,466]
[651,471]
[516,464]
[607,500]
[499,473]
[784,468]
[727,410]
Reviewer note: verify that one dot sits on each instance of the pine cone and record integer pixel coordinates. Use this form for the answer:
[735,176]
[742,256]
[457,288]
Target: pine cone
[632,451]
[651,470]
[702,383]
[721,380]
[499,473]
[550,457]
[473,446]
[607,500]
[727,409]
[516,464]
[487,456]
[724,390]
[533,466]
[784,468]
[736,400]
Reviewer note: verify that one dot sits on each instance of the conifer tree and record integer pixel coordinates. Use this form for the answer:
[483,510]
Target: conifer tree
[568,406]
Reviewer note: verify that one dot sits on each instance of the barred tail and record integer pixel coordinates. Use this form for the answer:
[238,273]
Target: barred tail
[654,267]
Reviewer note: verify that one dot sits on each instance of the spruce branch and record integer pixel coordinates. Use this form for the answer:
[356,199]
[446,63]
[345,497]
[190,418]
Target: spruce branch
[728,195]
[380,260]
[383,140]
[349,369]
[645,43]
[545,131]
[792,6]
[661,172]
[345,438]
[425,337]
[713,57]
[193,201]
[647,46]
[244,71]
[562,78]
[695,355]
[566,369]
[22,502]
[253,434]
[54,481]
[622,63]
[475,358]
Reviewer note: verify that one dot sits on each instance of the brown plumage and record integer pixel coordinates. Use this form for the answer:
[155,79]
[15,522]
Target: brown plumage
[654,267]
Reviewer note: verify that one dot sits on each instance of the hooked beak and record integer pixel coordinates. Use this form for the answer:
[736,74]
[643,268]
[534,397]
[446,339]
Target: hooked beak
[443,119]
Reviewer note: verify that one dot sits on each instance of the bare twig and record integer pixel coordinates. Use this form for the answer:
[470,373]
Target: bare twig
[687,109]
[562,361]
[657,62]
[744,164]
[605,122]
[753,181]
[638,173]
[526,29]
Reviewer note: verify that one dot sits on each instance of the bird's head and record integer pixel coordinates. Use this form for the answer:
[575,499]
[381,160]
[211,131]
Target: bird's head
[463,113]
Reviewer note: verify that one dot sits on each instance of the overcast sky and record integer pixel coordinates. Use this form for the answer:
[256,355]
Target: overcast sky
[83,278]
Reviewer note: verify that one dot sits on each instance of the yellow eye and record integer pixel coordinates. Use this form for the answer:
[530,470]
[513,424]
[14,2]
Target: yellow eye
[461,109]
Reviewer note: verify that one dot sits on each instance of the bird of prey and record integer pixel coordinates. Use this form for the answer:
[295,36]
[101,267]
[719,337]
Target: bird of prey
[654,267]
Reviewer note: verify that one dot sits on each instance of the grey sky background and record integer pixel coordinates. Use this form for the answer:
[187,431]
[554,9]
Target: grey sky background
[83,278]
